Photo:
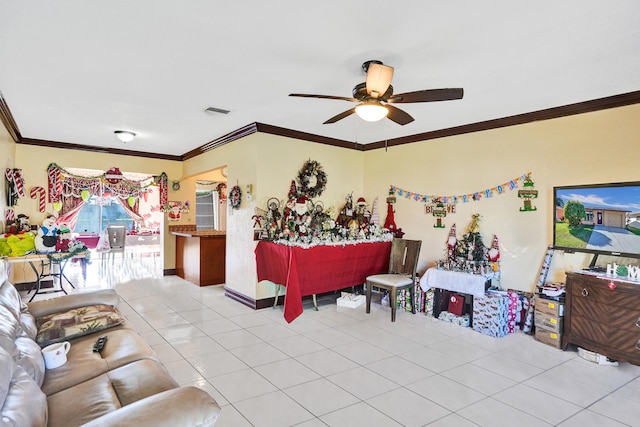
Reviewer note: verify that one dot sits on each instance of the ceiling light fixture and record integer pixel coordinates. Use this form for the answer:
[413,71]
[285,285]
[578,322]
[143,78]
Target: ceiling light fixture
[125,136]
[371,111]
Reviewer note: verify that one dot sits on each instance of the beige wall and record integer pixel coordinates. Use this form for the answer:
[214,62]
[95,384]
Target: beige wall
[269,163]
[590,148]
[34,161]
[7,160]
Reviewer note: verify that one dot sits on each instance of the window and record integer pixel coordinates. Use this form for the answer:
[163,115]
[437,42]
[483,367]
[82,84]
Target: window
[589,216]
[98,212]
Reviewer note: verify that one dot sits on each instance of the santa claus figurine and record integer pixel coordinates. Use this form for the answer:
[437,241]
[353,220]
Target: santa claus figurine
[452,242]
[303,218]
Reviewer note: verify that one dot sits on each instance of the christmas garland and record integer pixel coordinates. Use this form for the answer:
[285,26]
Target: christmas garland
[235,197]
[453,199]
[312,168]
[64,183]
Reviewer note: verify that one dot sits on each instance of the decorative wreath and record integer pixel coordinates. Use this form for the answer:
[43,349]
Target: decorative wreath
[312,169]
[235,197]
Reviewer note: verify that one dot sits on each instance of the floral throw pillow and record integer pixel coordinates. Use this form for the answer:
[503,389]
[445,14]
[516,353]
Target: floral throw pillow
[75,323]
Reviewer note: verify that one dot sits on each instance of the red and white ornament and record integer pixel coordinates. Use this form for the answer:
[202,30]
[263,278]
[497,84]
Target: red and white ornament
[40,194]
[9,215]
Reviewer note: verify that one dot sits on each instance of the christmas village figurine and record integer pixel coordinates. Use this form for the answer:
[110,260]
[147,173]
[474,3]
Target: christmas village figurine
[528,193]
[64,238]
[390,222]
[469,254]
[346,213]
[301,220]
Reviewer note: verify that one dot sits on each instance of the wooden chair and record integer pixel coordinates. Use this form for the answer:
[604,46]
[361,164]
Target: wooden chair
[403,264]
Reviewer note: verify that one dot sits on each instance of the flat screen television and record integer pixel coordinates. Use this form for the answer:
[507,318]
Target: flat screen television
[602,219]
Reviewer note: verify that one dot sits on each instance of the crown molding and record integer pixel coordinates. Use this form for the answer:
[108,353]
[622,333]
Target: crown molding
[614,101]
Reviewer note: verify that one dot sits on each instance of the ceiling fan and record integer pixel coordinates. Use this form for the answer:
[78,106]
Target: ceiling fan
[375,96]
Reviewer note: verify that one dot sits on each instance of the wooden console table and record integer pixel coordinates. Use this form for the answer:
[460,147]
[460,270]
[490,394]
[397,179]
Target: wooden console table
[602,314]
[201,256]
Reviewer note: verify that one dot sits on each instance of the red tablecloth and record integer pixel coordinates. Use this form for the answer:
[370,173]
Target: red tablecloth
[89,241]
[318,269]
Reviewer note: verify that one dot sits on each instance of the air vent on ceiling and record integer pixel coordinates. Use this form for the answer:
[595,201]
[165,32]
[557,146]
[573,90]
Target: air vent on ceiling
[213,110]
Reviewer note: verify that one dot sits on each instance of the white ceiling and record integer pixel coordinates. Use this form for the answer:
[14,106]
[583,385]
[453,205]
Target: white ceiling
[75,70]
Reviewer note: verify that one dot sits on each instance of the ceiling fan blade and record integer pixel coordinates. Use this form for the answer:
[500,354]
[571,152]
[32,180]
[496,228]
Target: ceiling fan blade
[340,98]
[398,116]
[341,116]
[428,95]
[378,79]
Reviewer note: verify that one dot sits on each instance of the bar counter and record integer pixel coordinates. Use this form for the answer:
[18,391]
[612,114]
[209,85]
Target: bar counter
[200,256]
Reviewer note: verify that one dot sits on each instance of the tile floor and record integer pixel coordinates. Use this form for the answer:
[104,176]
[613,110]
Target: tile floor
[343,367]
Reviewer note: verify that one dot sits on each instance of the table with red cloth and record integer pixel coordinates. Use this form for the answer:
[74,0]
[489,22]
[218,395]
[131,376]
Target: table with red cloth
[318,269]
[89,240]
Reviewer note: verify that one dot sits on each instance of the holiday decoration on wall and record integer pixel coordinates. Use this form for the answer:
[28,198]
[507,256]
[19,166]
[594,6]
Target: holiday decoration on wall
[439,210]
[312,179]
[235,197]
[62,183]
[40,194]
[9,215]
[465,198]
[14,185]
[528,193]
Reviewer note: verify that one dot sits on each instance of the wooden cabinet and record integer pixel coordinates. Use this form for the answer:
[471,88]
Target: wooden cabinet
[200,257]
[603,315]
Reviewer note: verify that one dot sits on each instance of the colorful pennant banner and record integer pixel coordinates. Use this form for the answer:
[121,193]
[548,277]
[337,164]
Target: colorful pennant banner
[471,196]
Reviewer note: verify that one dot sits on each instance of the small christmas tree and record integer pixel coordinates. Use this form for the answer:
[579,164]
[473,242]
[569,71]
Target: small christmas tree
[472,241]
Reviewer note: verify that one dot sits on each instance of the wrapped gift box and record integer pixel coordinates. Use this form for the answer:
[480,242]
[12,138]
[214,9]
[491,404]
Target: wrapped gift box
[491,314]
[422,300]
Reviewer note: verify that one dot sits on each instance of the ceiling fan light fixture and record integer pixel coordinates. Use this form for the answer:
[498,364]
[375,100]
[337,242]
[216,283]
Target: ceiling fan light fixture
[124,135]
[371,111]
[378,79]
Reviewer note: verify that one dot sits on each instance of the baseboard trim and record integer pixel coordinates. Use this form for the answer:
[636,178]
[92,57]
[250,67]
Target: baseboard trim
[250,302]
[240,297]
[169,272]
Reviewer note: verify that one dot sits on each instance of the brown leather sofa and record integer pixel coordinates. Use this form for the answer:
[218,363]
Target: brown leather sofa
[123,385]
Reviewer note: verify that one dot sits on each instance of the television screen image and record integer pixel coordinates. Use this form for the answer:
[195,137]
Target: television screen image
[600,219]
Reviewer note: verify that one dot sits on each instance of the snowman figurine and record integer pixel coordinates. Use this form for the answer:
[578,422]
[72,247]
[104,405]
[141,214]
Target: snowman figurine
[46,237]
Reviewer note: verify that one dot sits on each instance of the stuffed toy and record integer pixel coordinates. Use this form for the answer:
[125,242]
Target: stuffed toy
[12,227]
[46,238]
[64,238]
[23,223]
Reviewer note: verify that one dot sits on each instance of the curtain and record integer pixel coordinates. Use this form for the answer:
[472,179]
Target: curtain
[71,207]
[131,211]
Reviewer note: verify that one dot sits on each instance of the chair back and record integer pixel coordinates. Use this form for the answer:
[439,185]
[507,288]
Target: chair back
[117,235]
[404,257]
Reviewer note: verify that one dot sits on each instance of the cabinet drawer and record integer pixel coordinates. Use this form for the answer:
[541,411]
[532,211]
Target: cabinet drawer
[599,292]
[586,306]
[590,329]
[625,320]
[625,342]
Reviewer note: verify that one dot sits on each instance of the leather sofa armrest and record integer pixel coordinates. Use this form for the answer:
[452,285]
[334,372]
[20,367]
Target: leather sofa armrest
[184,406]
[71,301]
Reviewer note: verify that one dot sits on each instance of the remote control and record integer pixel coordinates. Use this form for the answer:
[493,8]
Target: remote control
[99,345]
